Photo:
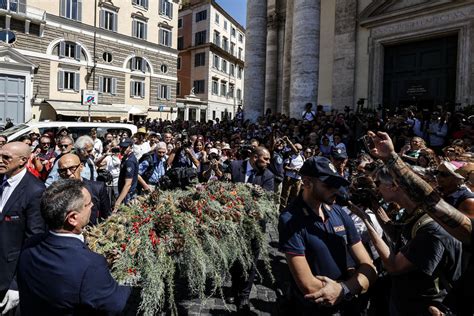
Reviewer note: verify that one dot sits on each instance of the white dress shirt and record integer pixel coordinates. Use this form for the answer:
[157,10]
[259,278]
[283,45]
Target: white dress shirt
[69,235]
[248,173]
[12,184]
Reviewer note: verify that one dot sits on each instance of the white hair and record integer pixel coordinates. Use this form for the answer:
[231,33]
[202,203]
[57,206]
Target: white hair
[82,142]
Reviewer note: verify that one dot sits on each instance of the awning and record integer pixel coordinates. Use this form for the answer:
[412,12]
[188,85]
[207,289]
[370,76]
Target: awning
[77,109]
[136,111]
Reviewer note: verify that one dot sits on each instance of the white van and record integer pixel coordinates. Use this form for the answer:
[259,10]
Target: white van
[75,128]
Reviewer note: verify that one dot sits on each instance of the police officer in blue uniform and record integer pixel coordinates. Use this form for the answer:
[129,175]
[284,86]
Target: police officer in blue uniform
[324,252]
[128,177]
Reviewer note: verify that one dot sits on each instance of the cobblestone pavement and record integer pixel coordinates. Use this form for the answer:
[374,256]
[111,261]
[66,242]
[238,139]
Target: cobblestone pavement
[263,297]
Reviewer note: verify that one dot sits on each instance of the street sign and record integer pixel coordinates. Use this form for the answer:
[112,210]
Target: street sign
[90,97]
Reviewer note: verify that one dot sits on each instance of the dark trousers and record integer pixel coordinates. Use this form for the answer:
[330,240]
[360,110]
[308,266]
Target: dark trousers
[242,283]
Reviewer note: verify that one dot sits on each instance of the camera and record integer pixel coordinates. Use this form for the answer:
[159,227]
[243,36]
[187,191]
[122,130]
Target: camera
[177,178]
[213,156]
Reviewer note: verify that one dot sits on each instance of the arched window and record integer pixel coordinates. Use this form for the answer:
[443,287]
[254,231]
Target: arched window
[67,49]
[138,64]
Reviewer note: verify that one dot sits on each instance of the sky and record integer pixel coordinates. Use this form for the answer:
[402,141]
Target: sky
[236,8]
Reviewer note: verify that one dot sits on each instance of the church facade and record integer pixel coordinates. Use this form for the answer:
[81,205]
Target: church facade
[392,53]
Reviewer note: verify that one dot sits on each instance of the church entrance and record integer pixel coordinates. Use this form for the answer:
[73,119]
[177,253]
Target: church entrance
[421,73]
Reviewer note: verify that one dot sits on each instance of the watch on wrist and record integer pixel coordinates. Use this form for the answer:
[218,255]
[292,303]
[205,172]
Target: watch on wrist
[346,292]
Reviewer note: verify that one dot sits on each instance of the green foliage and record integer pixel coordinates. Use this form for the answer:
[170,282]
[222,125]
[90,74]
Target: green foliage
[196,234]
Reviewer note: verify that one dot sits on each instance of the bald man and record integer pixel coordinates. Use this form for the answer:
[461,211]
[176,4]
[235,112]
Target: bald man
[20,216]
[70,167]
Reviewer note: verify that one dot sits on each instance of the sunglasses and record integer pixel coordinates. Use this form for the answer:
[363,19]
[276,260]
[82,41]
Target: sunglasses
[44,144]
[72,169]
[63,145]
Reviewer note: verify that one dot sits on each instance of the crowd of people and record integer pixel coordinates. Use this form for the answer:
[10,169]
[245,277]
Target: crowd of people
[370,224]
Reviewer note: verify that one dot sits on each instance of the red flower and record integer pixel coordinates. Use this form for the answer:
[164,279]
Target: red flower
[123,246]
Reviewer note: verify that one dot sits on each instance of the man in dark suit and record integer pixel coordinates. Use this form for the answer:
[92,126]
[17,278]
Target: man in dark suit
[252,170]
[70,167]
[20,217]
[57,273]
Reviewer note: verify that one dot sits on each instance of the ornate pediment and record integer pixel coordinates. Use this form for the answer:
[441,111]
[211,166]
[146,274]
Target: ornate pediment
[380,11]
[11,56]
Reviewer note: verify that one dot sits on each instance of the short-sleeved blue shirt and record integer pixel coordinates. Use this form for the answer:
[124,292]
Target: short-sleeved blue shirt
[325,244]
[128,170]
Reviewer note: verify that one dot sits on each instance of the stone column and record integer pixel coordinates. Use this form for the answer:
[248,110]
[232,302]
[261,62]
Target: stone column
[343,82]
[286,80]
[304,55]
[271,72]
[255,51]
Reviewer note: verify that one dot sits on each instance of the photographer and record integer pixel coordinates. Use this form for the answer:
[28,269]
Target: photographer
[424,269]
[292,180]
[182,156]
[152,166]
[212,168]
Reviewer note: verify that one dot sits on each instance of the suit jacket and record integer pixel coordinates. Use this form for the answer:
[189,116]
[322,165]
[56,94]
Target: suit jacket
[100,198]
[19,220]
[264,178]
[61,276]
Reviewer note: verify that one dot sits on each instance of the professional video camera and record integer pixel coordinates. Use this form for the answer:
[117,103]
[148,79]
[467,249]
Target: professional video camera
[177,178]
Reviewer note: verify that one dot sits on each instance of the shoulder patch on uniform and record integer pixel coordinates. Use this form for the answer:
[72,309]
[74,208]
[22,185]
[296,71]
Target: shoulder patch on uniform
[129,169]
[339,228]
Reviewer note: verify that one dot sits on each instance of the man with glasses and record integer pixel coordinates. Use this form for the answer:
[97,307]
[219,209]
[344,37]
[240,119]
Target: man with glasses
[152,167]
[84,148]
[65,145]
[44,157]
[70,167]
[57,273]
[451,184]
[20,217]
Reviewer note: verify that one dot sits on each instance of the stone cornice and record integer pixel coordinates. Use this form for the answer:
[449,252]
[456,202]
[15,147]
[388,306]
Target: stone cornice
[373,15]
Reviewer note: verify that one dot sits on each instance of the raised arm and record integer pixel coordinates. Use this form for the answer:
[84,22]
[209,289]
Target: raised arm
[451,219]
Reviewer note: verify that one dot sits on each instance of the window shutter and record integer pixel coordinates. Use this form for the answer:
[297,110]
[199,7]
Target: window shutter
[132,93]
[79,10]
[143,65]
[160,10]
[145,4]
[159,91]
[60,80]
[143,89]
[170,42]
[145,29]
[170,7]
[77,82]
[114,22]
[102,19]
[168,92]
[62,49]
[62,8]
[160,37]
[114,86]
[101,84]
[77,53]
[132,64]
[134,28]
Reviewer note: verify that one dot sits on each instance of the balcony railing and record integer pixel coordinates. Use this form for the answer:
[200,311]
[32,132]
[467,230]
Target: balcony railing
[19,7]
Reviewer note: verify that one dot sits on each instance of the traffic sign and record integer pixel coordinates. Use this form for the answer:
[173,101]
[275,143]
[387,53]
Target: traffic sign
[90,97]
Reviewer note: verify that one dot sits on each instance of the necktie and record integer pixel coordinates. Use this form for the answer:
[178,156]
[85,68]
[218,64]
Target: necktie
[3,185]
[252,176]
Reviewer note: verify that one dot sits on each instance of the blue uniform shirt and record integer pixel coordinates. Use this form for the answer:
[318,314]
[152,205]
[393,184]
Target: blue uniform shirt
[325,244]
[128,170]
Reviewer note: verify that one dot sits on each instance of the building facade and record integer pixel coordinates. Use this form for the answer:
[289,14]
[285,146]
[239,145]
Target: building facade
[391,53]
[211,48]
[124,49]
